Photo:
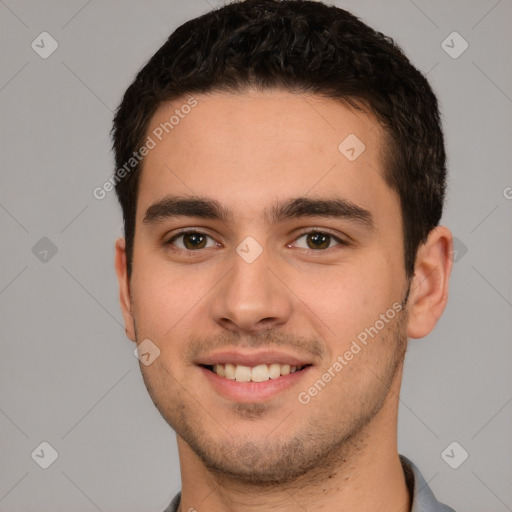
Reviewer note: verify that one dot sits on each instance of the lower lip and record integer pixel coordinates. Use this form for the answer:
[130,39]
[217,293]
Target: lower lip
[253,392]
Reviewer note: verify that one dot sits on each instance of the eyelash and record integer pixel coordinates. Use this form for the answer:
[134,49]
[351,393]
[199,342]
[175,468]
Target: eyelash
[169,242]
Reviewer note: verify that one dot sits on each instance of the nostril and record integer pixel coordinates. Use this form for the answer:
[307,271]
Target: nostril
[267,320]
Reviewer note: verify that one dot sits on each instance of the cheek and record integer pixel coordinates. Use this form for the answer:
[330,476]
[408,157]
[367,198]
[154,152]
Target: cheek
[334,298]
[342,301]
[163,299]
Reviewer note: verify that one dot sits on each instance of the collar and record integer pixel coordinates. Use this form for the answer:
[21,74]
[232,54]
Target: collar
[422,497]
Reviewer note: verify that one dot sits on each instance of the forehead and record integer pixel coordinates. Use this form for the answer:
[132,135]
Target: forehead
[258,146]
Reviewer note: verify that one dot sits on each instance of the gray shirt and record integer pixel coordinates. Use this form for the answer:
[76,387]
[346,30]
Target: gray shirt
[423,499]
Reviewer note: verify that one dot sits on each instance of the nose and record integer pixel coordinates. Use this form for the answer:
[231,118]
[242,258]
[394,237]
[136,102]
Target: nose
[251,297]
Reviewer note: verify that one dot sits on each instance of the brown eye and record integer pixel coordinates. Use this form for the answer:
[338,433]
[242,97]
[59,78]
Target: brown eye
[191,241]
[194,241]
[318,240]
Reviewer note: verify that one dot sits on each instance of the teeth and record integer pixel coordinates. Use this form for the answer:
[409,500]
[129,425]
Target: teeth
[259,373]
[229,370]
[242,373]
[219,370]
[274,371]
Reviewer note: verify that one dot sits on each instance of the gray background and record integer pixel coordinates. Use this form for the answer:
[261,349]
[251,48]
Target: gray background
[67,372]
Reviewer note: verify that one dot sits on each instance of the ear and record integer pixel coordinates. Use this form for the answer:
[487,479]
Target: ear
[124,287]
[429,287]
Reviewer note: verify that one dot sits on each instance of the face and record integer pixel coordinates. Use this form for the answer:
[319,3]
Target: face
[268,269]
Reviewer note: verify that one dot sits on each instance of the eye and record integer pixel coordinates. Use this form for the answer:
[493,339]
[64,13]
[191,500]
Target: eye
[316,240]
[192,240]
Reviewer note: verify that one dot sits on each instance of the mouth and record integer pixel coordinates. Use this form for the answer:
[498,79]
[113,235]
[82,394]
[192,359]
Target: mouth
[258,373]
[254,377]
[244,376]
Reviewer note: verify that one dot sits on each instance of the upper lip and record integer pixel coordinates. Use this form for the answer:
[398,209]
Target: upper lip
[252,358]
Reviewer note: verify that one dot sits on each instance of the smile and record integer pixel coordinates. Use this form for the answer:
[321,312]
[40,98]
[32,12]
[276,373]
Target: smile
[259,373]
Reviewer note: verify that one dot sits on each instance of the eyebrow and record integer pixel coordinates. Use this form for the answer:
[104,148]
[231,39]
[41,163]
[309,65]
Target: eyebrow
[310,207]
[300,207]
[171,207]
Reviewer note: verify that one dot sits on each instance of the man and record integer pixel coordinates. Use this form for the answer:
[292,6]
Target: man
[281,170]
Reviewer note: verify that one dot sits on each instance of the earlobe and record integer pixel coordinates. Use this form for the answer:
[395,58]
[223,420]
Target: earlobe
[429,287]
[124,287]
